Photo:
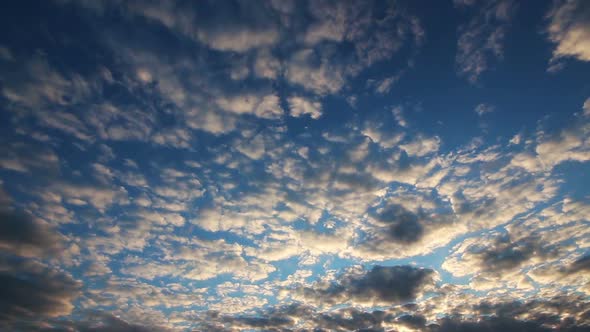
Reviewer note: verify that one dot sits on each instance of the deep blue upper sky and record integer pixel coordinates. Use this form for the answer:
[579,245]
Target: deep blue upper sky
[294,165]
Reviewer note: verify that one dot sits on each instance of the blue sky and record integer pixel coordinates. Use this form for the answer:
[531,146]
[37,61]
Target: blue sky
[294,165]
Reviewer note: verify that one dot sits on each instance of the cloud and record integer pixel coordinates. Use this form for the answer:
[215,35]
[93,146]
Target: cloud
[300,106]
[273,200]
[30,291]
[498,255]
[493,324]
[566,313]
[482,109]
[36,84]
[266,107]
[404,225]
[399,116]
[229,31]
[22,235]
[239,40]
[481,39]
[267,65]
[314,72]
[29,158]
[380,285]
[384,86]
[100,322]
[580,265]
[569,28]
[586,107]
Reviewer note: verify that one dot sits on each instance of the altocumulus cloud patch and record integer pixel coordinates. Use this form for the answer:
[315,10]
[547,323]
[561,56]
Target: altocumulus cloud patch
[294,166]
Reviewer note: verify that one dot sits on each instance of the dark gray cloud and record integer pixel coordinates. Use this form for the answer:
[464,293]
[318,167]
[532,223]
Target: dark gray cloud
[412,321]
[88,321]
[21,235]
[565,313]
[489,325]
[105,322]
[581,264]
[507,254]
[350,320]
[382,284]
[404,225]
[262,322]
[30,291]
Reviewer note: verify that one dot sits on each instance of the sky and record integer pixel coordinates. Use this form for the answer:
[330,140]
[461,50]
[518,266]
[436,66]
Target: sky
[295,165]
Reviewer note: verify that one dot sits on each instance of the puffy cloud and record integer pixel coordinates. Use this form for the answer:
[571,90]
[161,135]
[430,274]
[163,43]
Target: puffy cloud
[261,190]
[404,225]
[499,257]
[300,106]
[262,106]
[318,74]
[28,158]
[31,291]
[380,285]
[566,313]
[266,65]
[36,84]
[100,322]
[22,235]
[398,229]
[568,29]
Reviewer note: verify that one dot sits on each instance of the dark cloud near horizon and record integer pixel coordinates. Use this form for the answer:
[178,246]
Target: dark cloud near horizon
[381,284]
[488,317]
[494,324]
[573,316]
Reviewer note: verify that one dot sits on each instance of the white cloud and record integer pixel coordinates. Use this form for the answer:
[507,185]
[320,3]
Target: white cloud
[300,106]
[421,146]
[266,65]
[266,107]
[569,29]
[384,86]
[239,39]
[314,73]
